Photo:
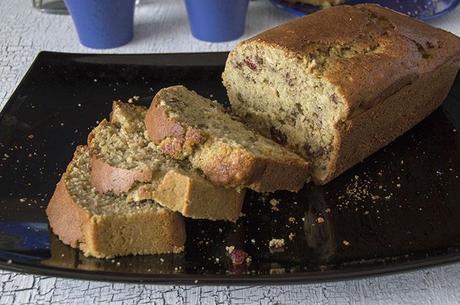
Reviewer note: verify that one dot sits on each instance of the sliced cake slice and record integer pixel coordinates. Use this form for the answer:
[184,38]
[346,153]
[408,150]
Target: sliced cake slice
[125,160]
[106,225]
[186,125]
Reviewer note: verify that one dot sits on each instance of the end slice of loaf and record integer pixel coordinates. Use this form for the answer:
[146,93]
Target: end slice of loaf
[106,225]
[188,126]
[125,160]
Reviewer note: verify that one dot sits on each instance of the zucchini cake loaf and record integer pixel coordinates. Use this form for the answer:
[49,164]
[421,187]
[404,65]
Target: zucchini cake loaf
[106,225]
[124,160]
[336,96]
[188,126]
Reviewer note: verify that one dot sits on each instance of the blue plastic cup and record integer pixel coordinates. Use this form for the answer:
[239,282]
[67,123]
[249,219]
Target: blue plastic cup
[217,20]
[102,24]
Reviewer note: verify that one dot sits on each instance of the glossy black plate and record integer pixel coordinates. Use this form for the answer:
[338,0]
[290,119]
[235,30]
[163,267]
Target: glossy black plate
[398,210]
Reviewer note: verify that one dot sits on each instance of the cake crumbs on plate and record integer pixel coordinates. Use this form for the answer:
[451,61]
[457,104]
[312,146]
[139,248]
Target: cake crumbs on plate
[276,243]
[131,100]
[274,203]
[277,270]
[320,220]
[230,249]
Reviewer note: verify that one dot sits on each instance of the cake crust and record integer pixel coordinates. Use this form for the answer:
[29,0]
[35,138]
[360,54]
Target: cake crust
[67,219]
[389,119]
[106,178]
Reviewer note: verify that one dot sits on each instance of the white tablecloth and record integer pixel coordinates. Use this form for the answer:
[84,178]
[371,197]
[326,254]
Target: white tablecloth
[161,26]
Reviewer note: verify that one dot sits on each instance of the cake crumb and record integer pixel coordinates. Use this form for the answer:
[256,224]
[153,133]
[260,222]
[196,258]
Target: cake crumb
[31,136]
[291,219]
[346,243]
[238,256]
[274,203]
[320,220]
[131,100]
[230,249]
[291,236]
[277,270]
[328,210]
[276,243]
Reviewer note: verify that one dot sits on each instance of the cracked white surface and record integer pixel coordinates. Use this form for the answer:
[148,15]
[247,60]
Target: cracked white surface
[161,27]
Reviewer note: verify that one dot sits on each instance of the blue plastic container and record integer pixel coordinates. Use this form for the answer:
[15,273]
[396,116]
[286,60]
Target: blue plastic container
[102,24]
[217,20]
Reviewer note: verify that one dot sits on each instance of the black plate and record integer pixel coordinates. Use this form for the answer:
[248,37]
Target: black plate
[397,210]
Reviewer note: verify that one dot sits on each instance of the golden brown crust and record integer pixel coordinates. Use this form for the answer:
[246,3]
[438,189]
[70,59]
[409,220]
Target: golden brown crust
[390,119]
[173,138]
[229,166]
[106,178]
[67,219]
[392,49]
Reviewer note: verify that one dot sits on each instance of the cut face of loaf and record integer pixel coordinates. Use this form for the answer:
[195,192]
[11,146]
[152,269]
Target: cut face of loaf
[106,225]
[125,161]
[337,96]
[186,125]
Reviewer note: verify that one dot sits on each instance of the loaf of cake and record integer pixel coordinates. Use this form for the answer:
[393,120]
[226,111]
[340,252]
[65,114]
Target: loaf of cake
[336,96]
[187,126]
[106,225]
[124,160]
[322,3]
